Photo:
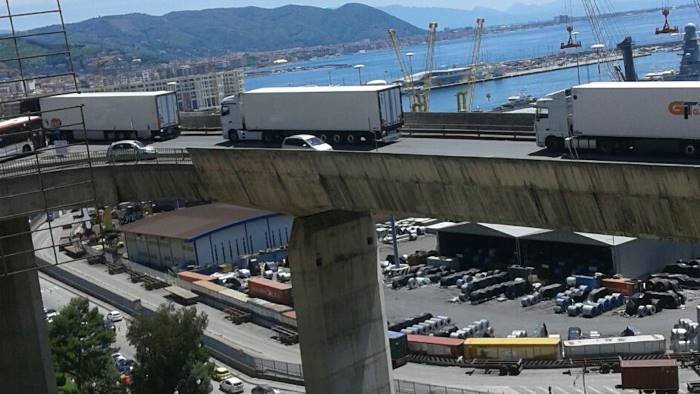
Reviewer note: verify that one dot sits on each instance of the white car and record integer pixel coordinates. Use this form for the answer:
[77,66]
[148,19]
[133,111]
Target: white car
[114,316]
[231,386]
[130,150]
[305,142]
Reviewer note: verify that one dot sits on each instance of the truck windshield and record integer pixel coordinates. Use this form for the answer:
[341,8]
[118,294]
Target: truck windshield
[542,113]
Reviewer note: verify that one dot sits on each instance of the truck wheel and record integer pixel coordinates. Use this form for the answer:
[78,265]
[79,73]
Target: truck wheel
[323,137]
[26,148]
[337,138]
[351,139]
[233,136]
[689,149]
[554,144]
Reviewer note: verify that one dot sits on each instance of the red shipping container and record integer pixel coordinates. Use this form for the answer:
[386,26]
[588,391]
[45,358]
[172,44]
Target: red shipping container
[279,293]
[624,286]
[192,277]
[649,374]
[436,346]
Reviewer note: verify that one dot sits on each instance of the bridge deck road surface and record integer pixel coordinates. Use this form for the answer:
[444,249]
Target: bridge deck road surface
[253,339]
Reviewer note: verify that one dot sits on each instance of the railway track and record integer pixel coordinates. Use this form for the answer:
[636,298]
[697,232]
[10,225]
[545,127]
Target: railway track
[605,364]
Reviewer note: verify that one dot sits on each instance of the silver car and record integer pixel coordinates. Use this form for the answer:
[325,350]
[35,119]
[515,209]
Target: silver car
[130,150]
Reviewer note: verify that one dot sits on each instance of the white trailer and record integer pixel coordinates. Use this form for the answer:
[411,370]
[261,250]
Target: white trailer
[336,114]
[112,115]
[616,346]
[621,116]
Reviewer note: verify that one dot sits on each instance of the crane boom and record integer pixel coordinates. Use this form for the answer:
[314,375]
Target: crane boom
[464,98]
[697,5]
[407,78]
[429,64]
[600,34]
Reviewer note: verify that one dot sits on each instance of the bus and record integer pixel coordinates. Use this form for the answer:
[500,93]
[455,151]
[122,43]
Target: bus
[20,136]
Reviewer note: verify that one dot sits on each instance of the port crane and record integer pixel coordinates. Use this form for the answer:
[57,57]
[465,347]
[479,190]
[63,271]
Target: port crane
[464,98]
[601,33]
[424,97]
[405,74]
[667,29]
[571,42]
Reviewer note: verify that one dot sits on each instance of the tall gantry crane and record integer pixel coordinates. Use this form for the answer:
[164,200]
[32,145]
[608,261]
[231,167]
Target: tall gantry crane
[464,98]
[405,75]
[603,33]
[423,98]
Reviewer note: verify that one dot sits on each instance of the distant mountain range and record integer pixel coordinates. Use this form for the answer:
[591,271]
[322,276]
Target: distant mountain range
[214,32]
[519,13]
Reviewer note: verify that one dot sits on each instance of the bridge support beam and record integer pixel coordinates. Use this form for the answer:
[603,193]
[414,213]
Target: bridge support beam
[25,356]
[339,304]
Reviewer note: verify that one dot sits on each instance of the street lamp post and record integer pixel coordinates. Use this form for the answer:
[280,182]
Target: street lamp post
[578,68]
[359,68]
[598,48]
[410,55]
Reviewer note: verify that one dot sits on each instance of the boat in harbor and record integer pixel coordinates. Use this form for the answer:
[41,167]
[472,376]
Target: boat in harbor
[515,102]
[690,61]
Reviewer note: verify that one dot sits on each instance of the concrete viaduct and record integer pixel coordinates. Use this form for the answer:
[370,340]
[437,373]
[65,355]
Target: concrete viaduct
[333,247]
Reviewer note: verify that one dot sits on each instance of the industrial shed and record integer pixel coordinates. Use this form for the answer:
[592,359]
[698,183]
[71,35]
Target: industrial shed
[204,235]
[557,254]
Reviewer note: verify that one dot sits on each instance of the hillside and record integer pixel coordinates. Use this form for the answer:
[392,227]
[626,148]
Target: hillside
[218,31]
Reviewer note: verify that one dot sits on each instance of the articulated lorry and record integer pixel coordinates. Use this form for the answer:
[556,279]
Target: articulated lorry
[111,115]
[336,114]
[617,117]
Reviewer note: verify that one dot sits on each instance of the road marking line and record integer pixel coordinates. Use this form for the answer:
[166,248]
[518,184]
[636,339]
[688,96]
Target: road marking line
[561,389]
[543,389]
[529,391]
[611,390]
[593,390]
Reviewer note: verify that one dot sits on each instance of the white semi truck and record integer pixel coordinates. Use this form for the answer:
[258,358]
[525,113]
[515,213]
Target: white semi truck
[111,115]
[621,117]
[336,114]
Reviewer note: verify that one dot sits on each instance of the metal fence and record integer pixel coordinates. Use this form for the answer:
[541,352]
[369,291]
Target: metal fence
[406,387]
[50,161]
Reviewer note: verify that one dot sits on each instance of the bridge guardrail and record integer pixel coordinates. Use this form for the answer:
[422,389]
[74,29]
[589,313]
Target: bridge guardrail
[50,162]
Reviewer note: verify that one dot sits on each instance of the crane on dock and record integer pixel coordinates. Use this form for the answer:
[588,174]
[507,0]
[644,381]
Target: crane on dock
[666,29]
[697,6]
[464,98]
[406,76]
[602,32]
[571,42]
[428,73]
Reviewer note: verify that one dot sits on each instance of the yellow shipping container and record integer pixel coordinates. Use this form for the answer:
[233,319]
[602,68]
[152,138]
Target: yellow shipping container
[512,349]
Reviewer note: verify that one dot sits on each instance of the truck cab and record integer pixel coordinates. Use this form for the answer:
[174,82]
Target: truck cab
[232,125]
[553,120]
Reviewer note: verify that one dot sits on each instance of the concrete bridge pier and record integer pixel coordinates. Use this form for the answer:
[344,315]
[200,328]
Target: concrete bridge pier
[25,355]
[339,304]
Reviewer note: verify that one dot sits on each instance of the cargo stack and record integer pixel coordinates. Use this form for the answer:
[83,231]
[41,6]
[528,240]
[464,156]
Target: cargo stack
[512,349]
[624,286]
[435,346]
[652,375]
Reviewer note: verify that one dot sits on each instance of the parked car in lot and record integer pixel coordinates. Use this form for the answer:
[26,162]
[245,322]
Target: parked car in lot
[231,386]
[50,314]
[130,150]
[264,389]
[114,316]
[220,374]
[305,142]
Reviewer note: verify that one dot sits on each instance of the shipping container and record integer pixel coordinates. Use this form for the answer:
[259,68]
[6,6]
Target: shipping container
[270,290]
[435,346]
[513,349]
[267,310]
[649,374]
[333,113]
[398,344]
[640,344]
[289,318]
[583,280]
[207,288]
[112,115]
[623,286]
[191,277]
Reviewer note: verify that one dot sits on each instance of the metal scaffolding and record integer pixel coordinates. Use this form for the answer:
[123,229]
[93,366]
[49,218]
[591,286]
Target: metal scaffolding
[40,65]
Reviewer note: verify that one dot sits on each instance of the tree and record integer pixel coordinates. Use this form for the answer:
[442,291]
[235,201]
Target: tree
[81,348]
[169,352]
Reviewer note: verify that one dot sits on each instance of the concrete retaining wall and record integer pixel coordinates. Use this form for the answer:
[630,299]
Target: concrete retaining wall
[638,200]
